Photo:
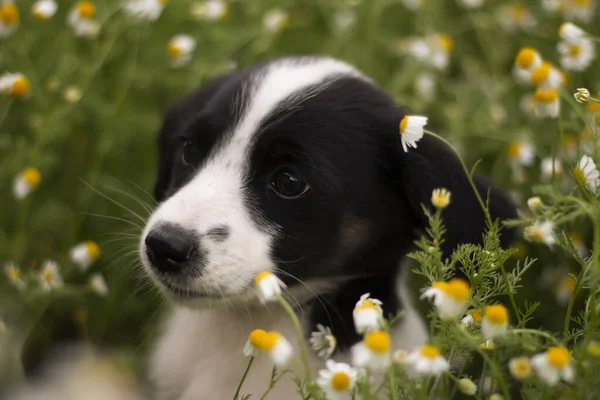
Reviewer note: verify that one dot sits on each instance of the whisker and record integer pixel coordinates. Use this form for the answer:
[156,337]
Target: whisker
[132,196]
[114,218]
[114,201]
[144,191]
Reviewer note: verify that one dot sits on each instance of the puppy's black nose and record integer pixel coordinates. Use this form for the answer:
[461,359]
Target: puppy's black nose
[168,247]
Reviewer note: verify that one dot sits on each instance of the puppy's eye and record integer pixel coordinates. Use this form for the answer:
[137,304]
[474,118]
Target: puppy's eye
[190,154]
[288,184]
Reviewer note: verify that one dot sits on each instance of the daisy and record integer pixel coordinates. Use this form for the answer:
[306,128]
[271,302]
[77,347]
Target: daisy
[576,57]
[85,254]
[13,274]
[552,6]
[554,365]
[272,344]
[520,368]
[520,153]
[440,198]
[275,20]
[337,380]
[9,19]
[26,182]
[467,386]
[470,4]
[581,10]
[547,76]
[526,61]
[586,173]
[534,203]
[426,361]
[411,130]
[367,314]
[180,49]
[14,85]
[268,286]
[149,10]
[425,86]
[49,276]
[441,46]
[81,19]
[323,341]
[582,95]
[565,288]
[43,10]
[579,244]
[98,285]
[211,10]
[547,103]
[473,317]
[373,352]
[540,232]
[450,298]
[495,321]
[516,16]
[571,33]
[343,19]
[549,169]
[413,5]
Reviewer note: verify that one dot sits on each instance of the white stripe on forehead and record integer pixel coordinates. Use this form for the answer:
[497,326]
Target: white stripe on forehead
[276,83]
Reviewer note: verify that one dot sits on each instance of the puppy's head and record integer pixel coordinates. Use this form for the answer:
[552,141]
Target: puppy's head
[294,167]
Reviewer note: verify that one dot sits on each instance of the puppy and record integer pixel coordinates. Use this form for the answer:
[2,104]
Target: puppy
[294,166]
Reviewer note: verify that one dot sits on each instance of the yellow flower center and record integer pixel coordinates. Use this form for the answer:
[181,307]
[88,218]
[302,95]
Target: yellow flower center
[263,340]
[440,198]
[568,282]
[574,51]
[163,1]
[378,341]
[430,351]
[525,57]
[522,367]
[47,275]
[366,304]
[558,356]
[581,2]
[9,14]
[32,176]
[86,9]
[497,314]
[593,349]
[445,42]
[403,124]
[13,273]
[39,15]
[592,107]
[457,288]
[340,381]
[93,250]
[261,276]
[546,95]
[174,50]
[541,73]
[20,87]
[476,315]
[514,150]
[579,176]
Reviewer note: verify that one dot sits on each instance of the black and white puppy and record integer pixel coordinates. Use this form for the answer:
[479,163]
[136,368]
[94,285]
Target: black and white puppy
[294,166]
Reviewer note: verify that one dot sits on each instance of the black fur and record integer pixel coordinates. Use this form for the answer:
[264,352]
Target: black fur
[363,211]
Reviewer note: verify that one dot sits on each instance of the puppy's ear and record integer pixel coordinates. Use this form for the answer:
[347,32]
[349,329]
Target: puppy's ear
[434,165]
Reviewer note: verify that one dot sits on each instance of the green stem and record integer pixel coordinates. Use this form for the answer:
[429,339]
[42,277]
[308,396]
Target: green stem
[392,383]
[237,392]
[538,333]
[299,334]
[572,301]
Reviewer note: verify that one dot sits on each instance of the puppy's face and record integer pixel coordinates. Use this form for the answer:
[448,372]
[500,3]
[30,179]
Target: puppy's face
[293,167]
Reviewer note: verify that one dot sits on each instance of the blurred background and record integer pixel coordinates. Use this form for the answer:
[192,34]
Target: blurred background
[83,87]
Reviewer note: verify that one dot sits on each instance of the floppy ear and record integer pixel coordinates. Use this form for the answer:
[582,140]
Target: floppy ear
[175,121]
[433,165]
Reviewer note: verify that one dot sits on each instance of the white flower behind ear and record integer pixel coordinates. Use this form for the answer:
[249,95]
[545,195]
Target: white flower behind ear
[411,130]
[26,182]
[98,285]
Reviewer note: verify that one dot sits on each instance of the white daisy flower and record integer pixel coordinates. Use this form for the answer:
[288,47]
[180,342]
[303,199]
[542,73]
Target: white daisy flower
[26,182]
[520,153]
[338,380]
[81,19]
[323,341]
[180,49]
[516,16]
[373,352]
[495,321]
[43,10]
[434,50]
[571,33]
[275,20]
[14,84]
[587,174]
[582,95]
[413,5]
[343,19]
[554,365]
[85,254]
[526,61]
[580,10]
[50,276]
[426,361]
[211,10]
[272,344]
[9,18]
[470,4]
[411,130]
[547,103]
[467,386]
[367,314]
[576,57]
[534,203]
[450,298]
[14,276]
[520,368]
[552,6]
[440,198]
[547,76]
[425,86]
[547,170]
[473,317]
[268,286]
[98,285]
[541,232]
[149,10]
[565,288]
